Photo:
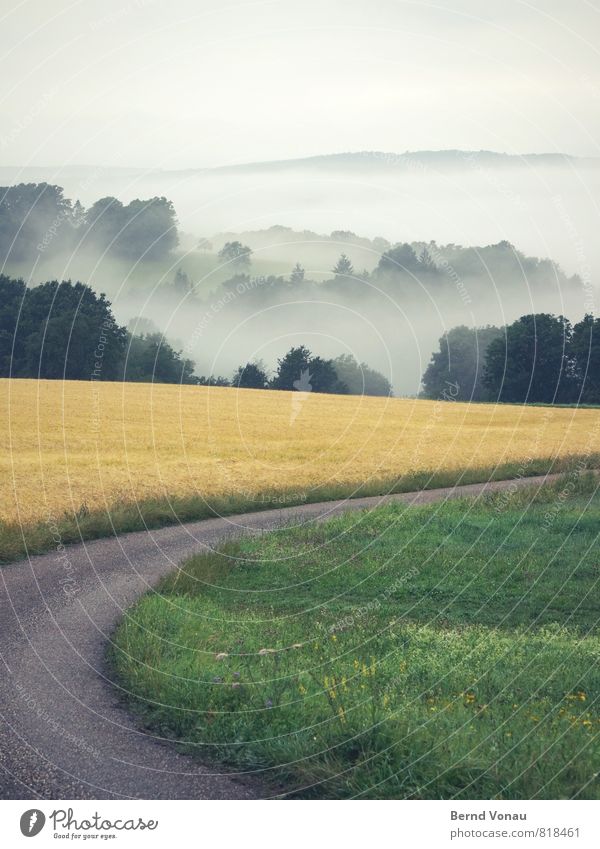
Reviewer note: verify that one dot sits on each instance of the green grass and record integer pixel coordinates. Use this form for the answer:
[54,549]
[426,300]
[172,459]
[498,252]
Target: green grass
[446,651]
[20,540]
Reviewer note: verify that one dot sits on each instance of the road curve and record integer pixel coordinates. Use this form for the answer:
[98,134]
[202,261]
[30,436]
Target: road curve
[63,731]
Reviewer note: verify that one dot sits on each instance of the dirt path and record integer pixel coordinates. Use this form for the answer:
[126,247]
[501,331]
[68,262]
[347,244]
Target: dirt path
[63,733]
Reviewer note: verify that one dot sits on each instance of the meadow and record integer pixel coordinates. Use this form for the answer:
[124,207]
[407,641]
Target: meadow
[446,651]
[87,458]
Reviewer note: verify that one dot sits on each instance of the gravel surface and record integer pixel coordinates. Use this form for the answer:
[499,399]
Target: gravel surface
[64,733]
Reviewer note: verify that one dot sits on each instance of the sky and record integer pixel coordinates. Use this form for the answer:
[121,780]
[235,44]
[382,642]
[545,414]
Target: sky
[202,83]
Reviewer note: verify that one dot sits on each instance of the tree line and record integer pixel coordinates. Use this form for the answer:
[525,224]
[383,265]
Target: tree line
[37,219]
[67,331]
[539,358]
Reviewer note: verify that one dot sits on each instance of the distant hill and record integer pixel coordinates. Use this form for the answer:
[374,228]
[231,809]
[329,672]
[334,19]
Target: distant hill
[373,160]
[439,160]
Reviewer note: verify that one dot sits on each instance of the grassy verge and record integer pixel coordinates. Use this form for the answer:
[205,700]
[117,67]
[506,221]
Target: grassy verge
[19,540]
[446,651]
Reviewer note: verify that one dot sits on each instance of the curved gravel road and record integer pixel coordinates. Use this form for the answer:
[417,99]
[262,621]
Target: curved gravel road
[63,732]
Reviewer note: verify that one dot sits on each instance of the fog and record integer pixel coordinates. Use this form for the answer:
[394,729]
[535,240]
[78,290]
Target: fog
[545,207]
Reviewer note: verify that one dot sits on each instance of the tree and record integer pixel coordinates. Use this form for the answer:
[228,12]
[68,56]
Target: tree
[35,218]
[182,284]
[425,259]
[324,378]
[400,258]
[150,359]
[360,379]
[144,229]
[343,267]
[290,367]
[299,370]
[250,376]
[212,380]
[12,297]
[236,253]
[456,370]
[67,331]
[139,325]
[531,361]
[297,275]
[585,355]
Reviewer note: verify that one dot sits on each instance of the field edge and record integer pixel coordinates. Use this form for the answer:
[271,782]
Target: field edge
[21,540]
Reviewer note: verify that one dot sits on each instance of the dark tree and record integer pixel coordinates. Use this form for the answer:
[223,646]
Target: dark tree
[531,361]
[182,285]
[212,380]
[291,367]
[426,260]
[144,229]
[324,378]
[343,267]
[236,253]
[360,379]
[12,298]
[297,275]
[250,376]
[35,218]
[585,353]
[68,331]
[398,259]
[299,370]
[456,371]
[150,359]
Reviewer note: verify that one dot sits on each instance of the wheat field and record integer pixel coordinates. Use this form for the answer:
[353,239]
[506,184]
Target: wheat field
[72,446]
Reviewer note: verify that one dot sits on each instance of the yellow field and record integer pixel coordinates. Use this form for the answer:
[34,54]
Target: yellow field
[70,444]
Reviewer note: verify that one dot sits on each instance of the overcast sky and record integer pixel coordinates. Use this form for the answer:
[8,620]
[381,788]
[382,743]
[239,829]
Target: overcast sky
[194,83]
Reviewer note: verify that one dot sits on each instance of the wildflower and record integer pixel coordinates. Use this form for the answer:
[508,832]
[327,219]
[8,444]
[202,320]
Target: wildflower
[302,689]
[470,698]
